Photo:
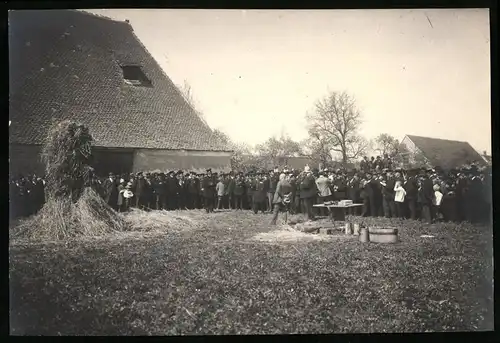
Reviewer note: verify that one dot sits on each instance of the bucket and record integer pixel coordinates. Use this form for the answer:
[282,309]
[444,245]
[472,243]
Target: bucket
[383,235]
[364,236]
[355,227]
[348,228]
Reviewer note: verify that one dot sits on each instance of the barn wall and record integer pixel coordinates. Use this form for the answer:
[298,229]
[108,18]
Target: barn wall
[25,159]
[164,160]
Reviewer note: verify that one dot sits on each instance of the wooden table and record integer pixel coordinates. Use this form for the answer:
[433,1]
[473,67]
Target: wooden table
[337,212]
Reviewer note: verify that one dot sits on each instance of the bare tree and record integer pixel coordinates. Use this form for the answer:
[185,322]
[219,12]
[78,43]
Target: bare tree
[224,138]
[317,150]
[242,157]
[386,144]
[187,93]
[335,122]
[278,150]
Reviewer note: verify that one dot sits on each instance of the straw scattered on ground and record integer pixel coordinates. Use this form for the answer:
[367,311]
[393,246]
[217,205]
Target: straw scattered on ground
[286,233]
[61,219]
[164,221]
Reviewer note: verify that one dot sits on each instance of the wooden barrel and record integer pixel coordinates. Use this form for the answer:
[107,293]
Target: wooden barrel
[383,235]
[364,236]
[348,228]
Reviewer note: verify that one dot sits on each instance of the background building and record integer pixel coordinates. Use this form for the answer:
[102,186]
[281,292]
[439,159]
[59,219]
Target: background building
[435,152]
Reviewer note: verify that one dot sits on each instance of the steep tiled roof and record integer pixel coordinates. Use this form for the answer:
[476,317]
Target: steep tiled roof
[65,64]
[446,153]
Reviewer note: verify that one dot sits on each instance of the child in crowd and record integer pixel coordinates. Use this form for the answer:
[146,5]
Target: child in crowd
[128,196]
[436,202]
[399,198]
[220,189]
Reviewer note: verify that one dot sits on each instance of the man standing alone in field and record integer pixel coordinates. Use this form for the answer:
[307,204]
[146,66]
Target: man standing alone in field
[273,182]
[281,199]
[308,192]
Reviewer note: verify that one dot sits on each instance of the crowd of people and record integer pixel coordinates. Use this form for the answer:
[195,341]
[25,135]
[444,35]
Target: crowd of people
[425,194]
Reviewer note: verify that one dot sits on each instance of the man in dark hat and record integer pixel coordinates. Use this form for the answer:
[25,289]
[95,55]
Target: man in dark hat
[339,186]
[260,194]
[193,188]
[411,187]
[173,190]
[273,182]
[230,190]
[292,179]
[160,191]
[148,195]
[460,194]
[425,196]
[389,206]
[239,191]
[182,190]
[225,198]
[378,196]
[366,194]
[353,192]
[110,188]
[250,189]
[474,197]
[308,192]
[208,189]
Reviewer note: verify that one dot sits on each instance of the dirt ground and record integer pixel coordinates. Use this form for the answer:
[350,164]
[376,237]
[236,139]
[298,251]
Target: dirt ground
[231,273]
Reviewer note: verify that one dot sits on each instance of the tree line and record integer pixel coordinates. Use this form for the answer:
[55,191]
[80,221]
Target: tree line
[333,126]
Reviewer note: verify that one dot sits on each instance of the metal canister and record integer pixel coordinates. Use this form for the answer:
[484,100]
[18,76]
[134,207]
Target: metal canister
[348,228]
[364,235]
[356,229]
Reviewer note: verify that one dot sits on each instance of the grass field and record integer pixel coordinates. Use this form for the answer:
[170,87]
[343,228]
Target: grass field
[211,274]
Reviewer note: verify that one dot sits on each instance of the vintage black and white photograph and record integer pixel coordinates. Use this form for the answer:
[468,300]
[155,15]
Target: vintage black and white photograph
[236,172]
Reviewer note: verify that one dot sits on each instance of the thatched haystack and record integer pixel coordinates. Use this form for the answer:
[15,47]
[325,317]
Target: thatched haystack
[73,208]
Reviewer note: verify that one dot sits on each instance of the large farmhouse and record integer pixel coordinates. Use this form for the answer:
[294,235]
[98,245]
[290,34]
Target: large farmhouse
[444,153]
[69,64]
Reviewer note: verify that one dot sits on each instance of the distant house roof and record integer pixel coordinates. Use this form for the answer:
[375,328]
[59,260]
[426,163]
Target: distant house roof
[70,64]
[446,153]
[487,158]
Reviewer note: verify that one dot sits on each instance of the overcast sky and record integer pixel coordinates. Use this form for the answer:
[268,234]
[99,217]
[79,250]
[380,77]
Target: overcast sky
[255,74]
